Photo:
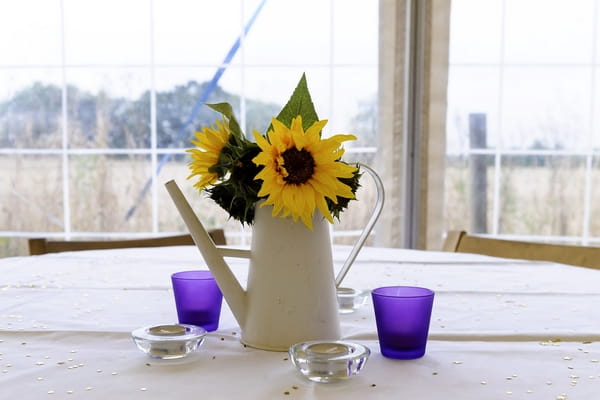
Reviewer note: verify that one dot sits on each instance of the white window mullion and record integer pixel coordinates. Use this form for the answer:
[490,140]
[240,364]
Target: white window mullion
[500,143]
[589,159]
[65,136]
[153,128]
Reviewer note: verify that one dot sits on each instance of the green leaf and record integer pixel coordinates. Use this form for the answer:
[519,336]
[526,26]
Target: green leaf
[227,111]
[299,104]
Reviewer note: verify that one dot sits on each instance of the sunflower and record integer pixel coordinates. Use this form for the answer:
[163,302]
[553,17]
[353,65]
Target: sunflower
[301,170]
[211,140]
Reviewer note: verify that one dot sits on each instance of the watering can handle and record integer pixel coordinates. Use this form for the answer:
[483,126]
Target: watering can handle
[367,229]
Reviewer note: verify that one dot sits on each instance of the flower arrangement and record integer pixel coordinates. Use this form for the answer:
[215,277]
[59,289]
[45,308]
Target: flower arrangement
[291,167]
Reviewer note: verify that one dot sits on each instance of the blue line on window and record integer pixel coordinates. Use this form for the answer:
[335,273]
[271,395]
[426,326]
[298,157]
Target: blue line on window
[201,100]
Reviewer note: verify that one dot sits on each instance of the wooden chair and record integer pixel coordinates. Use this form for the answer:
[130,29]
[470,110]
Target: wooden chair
[42,246]
[461,242]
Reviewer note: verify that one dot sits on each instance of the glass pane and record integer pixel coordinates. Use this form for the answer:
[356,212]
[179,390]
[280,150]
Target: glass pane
[275,85]
[547,108]
[471,90]
[355,104]
[594,195]
[597,38]
[209,213]
[31,194]
[30,108]
[542,195]
[348,228]
[107,32]
[469,192]
[475,31]
[109,108]
[355,32]
[290,32]
[30,32]
[595,103]
[104,188]
[541,31]
[195,32]
[183,94]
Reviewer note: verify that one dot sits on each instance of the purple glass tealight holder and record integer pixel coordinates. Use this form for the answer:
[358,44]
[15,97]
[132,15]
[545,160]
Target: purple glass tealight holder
[402,315]
[198,299]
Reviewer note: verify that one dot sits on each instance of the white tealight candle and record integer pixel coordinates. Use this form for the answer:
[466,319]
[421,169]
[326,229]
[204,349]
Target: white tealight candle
[167,330]
[332,349]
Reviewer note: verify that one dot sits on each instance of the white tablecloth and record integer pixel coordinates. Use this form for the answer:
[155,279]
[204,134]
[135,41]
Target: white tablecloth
[501,329]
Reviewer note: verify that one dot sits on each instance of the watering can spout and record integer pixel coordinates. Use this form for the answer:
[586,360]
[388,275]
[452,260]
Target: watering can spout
[233,292]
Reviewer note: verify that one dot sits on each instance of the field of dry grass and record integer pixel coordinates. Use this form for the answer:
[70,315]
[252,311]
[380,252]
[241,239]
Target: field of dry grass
[533,200]
[544,200]
[102,190]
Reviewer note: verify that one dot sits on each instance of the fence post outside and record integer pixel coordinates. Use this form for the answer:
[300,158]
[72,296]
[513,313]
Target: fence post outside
[478,172]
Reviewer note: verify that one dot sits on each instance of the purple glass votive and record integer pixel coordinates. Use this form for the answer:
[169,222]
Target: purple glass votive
[402,315]
[198,299]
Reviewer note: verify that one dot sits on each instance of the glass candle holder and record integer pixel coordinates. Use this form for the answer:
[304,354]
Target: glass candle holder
[169,341]
[329,361]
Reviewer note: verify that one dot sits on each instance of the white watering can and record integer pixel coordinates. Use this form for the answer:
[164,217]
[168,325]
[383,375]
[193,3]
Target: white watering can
[291,291]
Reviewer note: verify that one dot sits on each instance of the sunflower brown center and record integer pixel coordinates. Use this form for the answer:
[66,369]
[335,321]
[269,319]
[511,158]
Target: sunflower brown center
[299,164]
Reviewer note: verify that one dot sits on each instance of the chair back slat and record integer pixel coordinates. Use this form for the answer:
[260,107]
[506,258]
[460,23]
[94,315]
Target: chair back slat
[583,256]
[39,246]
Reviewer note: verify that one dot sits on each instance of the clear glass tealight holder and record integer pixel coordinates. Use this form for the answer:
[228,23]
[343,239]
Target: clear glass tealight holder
[169,341]
[329,361]
[350,300]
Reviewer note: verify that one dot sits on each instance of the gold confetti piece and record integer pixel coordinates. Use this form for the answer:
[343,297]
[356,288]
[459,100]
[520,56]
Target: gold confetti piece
[113,373]
[509,378]
[98,370]
[143,389]
[548,383]
[529,391]
[87,389]
[69,392]
[457,362]
[60,362]
[508,393]
[594,361]
[39,363]
[39,378]
[293,387]
[567,358]
[483,382]
[50,391]
[73,351]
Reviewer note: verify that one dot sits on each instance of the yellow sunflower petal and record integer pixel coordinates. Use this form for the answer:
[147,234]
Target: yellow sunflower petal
[313,173]
[210,142]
